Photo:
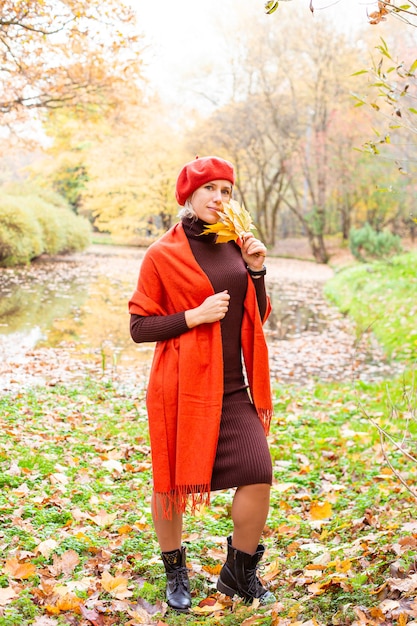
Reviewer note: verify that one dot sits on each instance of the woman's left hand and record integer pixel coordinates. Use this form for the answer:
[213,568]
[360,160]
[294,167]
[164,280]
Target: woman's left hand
[253,252]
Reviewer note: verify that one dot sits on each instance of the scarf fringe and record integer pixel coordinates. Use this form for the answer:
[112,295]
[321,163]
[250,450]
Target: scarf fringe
[177,501]
[265,415]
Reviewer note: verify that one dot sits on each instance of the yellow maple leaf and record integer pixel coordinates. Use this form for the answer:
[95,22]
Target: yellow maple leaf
[18,569]
[115,586]
[234,222]
[69,602]
[271,571]
[320,511]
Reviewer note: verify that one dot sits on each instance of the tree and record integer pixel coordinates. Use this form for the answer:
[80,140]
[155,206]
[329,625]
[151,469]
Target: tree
[392,92]
[405,12]
[58,53]
[121,168]
[284,126]
[70,181]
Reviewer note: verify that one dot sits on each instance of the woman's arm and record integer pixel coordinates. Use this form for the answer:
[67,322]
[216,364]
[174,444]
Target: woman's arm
[162,327]
[157,327]
[260,294]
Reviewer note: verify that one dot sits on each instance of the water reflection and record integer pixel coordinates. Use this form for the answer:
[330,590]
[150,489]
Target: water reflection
[71,306]
[83,307]
[79,308]
[295,311]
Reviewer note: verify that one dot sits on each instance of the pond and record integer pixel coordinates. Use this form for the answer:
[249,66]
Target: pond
[79,304]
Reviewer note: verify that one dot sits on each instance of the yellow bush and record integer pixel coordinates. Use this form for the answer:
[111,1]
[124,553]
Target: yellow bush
[34,223]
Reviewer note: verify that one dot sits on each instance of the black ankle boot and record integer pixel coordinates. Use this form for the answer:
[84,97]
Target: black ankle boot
[238,576]
[178,585]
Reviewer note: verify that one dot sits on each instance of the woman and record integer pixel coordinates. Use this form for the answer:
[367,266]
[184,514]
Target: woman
[204,304]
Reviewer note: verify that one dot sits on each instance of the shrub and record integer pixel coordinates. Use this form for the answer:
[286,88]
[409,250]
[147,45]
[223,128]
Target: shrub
[30,189]
[20,233]
[367,244]
[47,215]
[33,223]
[76,230]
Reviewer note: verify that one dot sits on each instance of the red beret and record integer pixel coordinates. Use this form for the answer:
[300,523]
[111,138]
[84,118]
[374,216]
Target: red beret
[199,172]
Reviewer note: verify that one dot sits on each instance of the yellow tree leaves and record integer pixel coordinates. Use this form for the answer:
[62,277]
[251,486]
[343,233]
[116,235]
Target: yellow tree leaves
[320,511]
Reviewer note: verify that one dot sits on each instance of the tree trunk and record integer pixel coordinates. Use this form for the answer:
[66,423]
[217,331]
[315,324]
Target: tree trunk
[316,241]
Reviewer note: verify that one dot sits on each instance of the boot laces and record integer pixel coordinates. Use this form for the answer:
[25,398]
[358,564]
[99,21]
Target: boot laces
[179,577]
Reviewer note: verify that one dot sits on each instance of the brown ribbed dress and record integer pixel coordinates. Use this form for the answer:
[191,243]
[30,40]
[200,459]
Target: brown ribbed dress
[242,456]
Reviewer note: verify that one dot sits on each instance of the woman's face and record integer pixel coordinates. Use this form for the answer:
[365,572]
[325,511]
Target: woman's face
[207,199]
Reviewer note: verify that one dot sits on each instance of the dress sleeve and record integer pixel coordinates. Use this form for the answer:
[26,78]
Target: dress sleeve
[261,295]
[157,327]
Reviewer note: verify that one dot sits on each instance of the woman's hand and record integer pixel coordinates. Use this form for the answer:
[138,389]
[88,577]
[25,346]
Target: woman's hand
[213,309]
[253,252]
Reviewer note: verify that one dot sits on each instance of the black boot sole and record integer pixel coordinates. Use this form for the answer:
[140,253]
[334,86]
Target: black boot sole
[267,598]
[173,608]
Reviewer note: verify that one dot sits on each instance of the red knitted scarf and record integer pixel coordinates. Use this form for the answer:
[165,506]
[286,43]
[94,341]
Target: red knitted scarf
[185,391]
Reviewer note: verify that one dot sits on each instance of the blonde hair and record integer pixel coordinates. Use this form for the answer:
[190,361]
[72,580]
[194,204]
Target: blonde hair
[187,211]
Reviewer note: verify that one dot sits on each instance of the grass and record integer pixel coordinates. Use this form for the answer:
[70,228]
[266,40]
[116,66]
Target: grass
[75,494]
[87,487]
[382,296]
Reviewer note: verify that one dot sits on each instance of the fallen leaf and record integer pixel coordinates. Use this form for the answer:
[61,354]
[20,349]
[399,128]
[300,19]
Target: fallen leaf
[21,491]
[104,519]
[46,547]
[320,511]
[271,571]
[388,605]
[59,479]
[43,620]
[64,564]
[18,570]
[115,585]
[408,584]
[92,616]
[214,570]
[6,595]
[151,609]
[69,602]
[211,604]
[113,466]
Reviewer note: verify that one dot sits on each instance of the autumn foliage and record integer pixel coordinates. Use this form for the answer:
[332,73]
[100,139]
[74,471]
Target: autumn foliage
[64,53]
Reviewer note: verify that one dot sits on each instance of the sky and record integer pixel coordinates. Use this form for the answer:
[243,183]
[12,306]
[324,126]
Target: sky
[184,35]
[182,31]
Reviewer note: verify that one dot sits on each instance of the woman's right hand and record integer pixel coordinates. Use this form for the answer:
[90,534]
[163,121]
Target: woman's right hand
[213,309]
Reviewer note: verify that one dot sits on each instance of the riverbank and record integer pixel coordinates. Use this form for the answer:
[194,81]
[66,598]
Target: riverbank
[308,338]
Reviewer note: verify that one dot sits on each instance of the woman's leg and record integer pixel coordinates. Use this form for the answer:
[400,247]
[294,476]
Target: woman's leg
[168,531]
[249,512]
[244,552]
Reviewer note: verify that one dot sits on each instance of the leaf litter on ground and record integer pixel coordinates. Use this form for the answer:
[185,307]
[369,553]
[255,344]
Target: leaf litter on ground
[76,536]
